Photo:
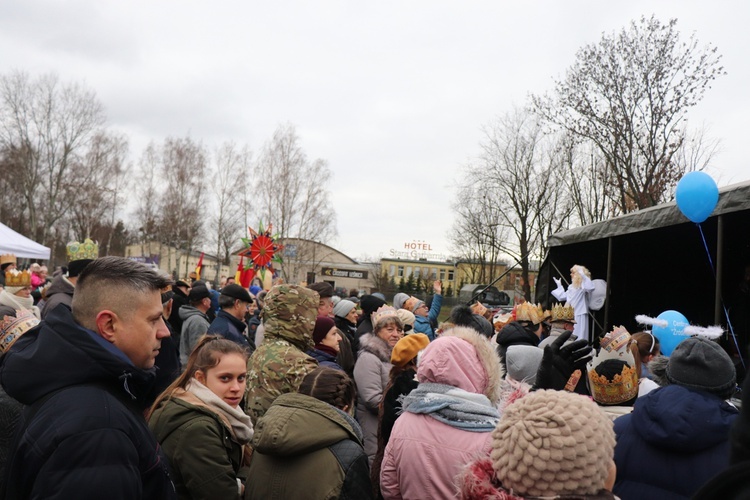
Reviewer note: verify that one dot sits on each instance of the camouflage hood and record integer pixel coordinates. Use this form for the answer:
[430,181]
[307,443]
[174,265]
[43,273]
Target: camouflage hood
[290,315]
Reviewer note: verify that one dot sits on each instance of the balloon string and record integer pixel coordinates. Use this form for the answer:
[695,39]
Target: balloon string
[724,307]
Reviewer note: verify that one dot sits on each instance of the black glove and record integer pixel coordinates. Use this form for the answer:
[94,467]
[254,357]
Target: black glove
[559,362]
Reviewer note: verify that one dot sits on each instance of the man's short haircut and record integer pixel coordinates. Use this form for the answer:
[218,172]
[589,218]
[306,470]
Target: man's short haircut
[225,301]
[110,283]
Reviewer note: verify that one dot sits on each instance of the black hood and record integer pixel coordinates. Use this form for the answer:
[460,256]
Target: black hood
[516,334]
[59,353]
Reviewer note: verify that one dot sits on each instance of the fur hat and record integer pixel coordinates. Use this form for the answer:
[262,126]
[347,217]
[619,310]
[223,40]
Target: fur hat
[343,308]
[408,347]
[399,299]
[699,363]
[323,325]
[551,443]
[464,316]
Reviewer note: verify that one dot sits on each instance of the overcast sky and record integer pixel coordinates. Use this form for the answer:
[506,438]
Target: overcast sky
[392,94]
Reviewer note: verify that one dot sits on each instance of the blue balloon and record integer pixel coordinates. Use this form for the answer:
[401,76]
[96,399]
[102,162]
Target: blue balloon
[672,334]
[696,196]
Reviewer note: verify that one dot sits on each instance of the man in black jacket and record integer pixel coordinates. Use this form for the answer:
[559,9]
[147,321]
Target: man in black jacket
[84,376]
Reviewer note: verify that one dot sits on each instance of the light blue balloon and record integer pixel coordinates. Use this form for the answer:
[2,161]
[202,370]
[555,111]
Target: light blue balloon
[672,334]
[696,196]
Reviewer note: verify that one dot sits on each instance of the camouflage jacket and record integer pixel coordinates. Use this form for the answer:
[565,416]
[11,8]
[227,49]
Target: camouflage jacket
[279,364]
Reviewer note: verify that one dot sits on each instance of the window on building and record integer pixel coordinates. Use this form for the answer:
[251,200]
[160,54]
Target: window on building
[442,274]
[400,271]
[450,275]
[408,271]
[434,273]
[417,272]
[392,270]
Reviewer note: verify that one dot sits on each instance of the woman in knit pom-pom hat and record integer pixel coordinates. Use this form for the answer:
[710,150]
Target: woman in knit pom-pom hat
[547,444]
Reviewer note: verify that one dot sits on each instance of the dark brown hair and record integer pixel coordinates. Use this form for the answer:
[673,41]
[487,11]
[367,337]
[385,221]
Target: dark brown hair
[206,354]
[647,343]
[330,386]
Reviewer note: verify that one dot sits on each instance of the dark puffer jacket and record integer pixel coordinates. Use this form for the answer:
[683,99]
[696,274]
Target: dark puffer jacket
[305,448]
[88,439]
[230,328]
[673,442]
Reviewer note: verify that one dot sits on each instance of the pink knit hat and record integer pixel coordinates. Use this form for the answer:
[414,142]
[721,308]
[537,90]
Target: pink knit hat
[552,443]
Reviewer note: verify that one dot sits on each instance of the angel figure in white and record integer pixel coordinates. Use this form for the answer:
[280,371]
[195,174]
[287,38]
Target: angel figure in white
[577,295]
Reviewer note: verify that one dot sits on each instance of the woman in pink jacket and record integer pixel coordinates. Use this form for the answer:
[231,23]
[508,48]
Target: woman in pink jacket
[447,421]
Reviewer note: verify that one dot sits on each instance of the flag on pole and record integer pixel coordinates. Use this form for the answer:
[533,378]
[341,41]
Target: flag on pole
[240,268]
[198,267]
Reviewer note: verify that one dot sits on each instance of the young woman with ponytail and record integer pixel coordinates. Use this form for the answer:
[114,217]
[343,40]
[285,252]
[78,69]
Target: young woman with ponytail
[200,425]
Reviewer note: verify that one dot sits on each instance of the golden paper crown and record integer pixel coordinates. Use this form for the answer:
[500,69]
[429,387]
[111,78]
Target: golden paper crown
[15,277]
[382,313]
[86,250]
[623,386]
[478,308]
[12,328]
[7,258]
[531,312]
[563,313]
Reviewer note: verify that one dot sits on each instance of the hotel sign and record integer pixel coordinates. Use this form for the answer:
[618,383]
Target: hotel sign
[344,273]
[417,249]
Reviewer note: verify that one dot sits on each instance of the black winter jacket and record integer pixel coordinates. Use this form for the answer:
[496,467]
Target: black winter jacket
[88,439]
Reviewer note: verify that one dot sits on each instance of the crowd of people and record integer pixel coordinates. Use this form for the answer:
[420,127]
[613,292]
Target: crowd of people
[127,384]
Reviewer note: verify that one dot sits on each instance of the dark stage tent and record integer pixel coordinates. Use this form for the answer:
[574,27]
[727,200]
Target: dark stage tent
[654,260]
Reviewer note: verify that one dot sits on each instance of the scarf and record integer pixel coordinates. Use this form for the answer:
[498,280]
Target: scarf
[18,303]
[239,423]
[327,349]
[452,406]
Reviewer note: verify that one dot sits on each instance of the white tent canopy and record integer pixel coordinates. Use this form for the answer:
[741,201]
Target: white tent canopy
[21,246]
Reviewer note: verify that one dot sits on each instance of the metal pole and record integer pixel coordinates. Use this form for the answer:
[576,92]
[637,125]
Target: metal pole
[610,248]
[718,309]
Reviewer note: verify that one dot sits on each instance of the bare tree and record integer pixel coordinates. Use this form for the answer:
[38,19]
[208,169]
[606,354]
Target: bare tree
[230,175]
[182,209]
[292,194]
[629,94]
[476,237]
[46,129]
[98,200]
[521,181]
[147,192]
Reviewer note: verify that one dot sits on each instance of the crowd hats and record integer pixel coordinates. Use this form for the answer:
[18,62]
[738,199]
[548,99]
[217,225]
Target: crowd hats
[237,292]
[552,443]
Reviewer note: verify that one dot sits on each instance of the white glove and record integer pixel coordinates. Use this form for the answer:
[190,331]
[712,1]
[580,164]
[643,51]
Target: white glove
[558,282]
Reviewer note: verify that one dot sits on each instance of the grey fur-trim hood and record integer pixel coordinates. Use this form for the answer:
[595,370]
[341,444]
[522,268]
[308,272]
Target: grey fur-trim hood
[377,346]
